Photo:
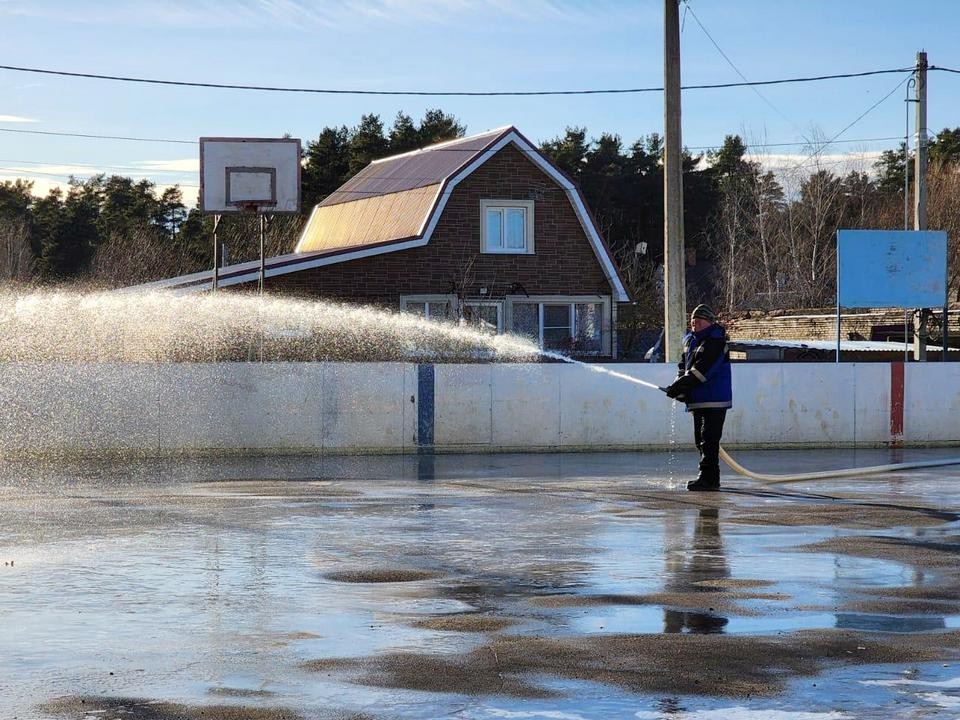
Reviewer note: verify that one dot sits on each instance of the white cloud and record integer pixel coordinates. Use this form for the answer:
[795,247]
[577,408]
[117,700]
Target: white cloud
[184,165]
[49,169]
[57,176]
[41,185]
[16,119]
[302,14]
[188,193]
[838,163]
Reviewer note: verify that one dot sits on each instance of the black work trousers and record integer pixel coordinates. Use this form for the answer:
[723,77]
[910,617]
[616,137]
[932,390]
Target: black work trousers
[707,429]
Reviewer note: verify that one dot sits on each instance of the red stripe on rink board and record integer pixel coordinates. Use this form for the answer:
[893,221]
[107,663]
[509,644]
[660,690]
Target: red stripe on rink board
[896,400]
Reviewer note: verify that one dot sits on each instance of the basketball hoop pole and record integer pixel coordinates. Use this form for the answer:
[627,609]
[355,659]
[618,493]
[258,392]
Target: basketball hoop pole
[216,253]
[256,209]
[263,270]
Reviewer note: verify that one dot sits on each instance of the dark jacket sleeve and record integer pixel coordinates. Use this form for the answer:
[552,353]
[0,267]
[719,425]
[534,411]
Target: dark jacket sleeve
[706,354]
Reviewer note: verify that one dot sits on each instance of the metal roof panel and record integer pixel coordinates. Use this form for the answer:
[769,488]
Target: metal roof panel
[428,166]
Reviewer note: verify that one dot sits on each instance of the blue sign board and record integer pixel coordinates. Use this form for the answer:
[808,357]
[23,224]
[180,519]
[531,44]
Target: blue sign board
[891,268]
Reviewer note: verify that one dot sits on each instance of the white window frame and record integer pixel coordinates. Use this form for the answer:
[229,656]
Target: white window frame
[488,303]
[426,300]
[492,204]
[606,327]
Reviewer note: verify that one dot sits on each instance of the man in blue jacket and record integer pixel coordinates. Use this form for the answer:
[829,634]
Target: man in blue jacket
[703,383]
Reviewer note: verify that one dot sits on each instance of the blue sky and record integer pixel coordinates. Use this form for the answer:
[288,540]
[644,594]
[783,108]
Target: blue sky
[439,45]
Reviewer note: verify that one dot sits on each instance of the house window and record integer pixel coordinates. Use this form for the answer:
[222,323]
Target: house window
[430,307]
[557,332]
[566,324]
[506,226]
[486,317]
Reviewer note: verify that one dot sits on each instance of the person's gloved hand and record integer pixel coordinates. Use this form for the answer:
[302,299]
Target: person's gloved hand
[679,388]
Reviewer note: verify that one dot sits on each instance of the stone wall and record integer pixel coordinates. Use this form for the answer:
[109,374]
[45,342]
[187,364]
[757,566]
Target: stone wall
[821,324]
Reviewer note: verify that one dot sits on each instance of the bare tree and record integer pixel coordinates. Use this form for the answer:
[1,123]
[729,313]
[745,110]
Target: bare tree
[943,213]
[241,235]
[16,257]
[141,256]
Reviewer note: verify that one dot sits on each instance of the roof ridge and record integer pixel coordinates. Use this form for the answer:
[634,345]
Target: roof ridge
[430,148]
[432,183]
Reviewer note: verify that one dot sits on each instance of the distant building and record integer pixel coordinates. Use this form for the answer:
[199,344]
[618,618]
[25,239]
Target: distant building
[866,335]
[483,229]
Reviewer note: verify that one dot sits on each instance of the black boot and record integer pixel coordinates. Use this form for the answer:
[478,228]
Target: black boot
[705,481]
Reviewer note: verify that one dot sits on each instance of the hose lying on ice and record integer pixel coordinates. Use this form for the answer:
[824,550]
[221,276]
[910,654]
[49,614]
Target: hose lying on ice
[825,474]
[828,474]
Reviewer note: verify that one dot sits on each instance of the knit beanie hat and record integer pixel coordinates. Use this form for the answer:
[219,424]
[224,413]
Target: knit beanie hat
[703,312]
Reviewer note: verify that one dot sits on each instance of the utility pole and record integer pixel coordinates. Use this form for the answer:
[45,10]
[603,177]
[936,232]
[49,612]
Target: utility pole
[674,290]
[920,192]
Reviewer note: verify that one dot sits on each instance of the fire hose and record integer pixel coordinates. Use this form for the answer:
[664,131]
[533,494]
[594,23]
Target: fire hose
[826,474]
[829,474]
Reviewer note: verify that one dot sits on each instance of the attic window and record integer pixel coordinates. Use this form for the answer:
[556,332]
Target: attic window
[506,226]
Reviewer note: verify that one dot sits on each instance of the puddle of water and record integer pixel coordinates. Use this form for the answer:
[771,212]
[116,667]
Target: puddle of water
[655,619]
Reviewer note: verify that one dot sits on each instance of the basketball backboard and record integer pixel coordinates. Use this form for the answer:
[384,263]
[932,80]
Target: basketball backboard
[246,174]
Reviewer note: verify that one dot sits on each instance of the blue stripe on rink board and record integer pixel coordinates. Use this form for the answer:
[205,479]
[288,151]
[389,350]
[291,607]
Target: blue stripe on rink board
[425,406]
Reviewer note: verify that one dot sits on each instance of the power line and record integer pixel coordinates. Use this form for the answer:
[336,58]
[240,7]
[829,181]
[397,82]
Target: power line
[97,137]
[194,142]
[806,143]
[864,114]
[10,170]
[821,148]
[457,93]
[736,69]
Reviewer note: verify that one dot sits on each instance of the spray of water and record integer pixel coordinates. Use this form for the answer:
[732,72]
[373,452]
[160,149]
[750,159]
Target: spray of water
[77,326]
[598,369]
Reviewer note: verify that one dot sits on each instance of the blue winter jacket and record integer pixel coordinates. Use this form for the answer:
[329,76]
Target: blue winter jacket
[706,361]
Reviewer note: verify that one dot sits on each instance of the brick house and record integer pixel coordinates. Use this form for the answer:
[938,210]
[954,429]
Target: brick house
[482,229]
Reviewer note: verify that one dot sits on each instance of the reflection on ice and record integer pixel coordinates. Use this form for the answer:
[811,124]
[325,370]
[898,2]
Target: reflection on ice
[191,586]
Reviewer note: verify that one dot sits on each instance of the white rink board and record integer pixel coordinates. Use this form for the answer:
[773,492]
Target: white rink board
[169,409]
[931,401]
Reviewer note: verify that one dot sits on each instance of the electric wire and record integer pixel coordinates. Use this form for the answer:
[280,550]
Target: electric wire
[746,83]
[743,77]
[194,142]
[96,137]
[447,93]
[819,151]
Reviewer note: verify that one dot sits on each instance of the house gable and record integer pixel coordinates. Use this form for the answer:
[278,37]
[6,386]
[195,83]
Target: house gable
[564,262]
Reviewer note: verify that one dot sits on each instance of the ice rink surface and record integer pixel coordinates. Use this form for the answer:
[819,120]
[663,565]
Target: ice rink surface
[556,586]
